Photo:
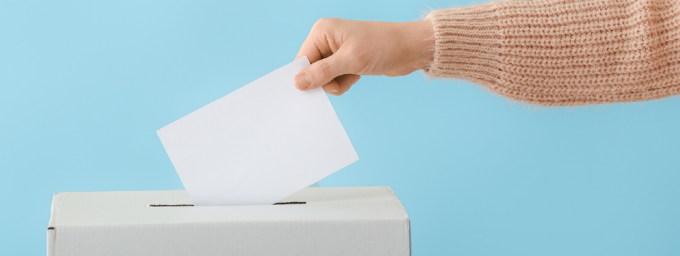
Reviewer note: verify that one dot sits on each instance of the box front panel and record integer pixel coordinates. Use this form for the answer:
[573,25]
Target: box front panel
[360,237]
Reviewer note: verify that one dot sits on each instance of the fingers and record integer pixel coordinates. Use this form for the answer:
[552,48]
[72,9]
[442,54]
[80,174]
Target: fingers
[317,46]
[332,87]
[328,66]
[321,72]
[309,48]
[341,84]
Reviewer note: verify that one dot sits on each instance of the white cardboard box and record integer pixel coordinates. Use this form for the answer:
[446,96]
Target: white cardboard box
[332,221]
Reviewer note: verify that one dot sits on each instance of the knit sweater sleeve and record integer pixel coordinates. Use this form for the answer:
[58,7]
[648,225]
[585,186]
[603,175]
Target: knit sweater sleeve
[563,52]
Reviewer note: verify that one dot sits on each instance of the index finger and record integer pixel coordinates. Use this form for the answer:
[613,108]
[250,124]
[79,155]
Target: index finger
[315,46]
[310,50]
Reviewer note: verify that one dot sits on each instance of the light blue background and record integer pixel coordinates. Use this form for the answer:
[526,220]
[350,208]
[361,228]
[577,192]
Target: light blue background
[84,86]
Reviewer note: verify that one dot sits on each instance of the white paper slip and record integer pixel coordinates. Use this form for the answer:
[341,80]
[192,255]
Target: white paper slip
[259,144]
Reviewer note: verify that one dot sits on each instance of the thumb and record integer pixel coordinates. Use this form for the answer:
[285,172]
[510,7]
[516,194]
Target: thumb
[321,72]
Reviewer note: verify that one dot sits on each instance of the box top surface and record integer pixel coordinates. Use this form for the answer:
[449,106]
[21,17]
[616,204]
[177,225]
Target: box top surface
[133,207]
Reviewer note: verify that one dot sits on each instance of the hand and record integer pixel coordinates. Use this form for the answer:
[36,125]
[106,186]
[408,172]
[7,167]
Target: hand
[340,51]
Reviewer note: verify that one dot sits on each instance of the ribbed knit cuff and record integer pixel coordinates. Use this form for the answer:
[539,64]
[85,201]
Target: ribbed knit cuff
[467,44]
[562,52]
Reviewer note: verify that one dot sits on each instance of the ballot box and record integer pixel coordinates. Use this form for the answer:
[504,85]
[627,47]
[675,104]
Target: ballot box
[314,221]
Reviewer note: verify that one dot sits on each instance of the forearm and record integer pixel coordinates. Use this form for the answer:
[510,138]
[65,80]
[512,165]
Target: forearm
[563,52]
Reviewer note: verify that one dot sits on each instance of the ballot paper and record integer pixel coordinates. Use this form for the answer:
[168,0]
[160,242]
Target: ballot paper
[258,144]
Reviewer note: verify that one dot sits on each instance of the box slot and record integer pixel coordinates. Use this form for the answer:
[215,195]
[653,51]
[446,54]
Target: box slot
[190,205]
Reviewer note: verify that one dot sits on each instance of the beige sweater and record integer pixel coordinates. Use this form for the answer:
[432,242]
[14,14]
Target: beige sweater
[563,52]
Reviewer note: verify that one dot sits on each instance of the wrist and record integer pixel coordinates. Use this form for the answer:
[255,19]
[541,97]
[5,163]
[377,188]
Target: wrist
[420,38]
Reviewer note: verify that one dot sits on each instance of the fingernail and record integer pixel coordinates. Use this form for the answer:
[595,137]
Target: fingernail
[302,81]
[333,90]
